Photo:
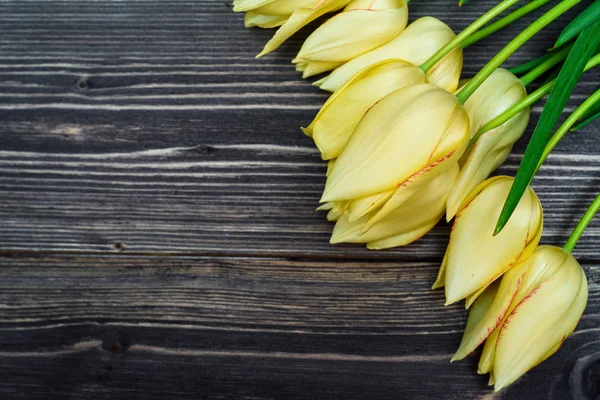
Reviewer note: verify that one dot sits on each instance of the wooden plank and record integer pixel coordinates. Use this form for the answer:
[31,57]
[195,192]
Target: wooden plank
[160,328]
[149,125]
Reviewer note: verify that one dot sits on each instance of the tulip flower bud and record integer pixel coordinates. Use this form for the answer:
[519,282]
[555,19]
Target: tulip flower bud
[475,257]
[416,129]
[498,93]
[416,44]
[339,116]
[416,216]
[533,309]
[301,12]
[363,26]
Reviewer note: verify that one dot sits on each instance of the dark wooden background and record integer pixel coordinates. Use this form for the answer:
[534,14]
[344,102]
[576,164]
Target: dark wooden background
[158,237]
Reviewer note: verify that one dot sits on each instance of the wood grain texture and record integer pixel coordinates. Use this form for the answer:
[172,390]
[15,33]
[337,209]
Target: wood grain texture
[146,134]
[188,328]
[150,124]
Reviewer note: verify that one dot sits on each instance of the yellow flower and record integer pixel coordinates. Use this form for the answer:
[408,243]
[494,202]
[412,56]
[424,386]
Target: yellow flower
[498,93]
[300,12]
[339,116]
[415,130]
[409,221]
[416,44]
[363,26]
[475,257]
[527,315]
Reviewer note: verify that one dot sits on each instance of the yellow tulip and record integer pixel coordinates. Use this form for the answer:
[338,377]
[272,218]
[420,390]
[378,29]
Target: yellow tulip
[301,12]
[363,26]
[525,318]
[415,130]
[498,93]
[475,257]
[416,44]
[339,116]
[412,219]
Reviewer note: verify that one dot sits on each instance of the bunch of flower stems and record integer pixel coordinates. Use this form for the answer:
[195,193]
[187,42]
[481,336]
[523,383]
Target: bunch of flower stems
[408,143]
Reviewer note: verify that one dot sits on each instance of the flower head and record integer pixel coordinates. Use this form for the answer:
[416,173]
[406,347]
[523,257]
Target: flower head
[525,317]
[414,130]
[363,26]
[475,257]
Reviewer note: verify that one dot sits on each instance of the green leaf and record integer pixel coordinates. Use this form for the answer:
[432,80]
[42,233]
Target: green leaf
[586,18]
[582,51]
[591,115]
[530,65]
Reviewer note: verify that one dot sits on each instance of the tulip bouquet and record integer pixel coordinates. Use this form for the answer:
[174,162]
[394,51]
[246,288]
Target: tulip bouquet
[407,143]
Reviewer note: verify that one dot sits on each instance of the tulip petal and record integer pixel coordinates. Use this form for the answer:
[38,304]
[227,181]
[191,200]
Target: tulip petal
[340,115]
[481,326]
[416,44]
[445,73]
[476,317]
[470,299]
[329,167]
[300,18]
[312,68]
[370,163]
[285,7]
[417,182]
[252,19]
[441,276]
[340,206]
[334,215]
[402,239]
[247,5]
[486,361]
[325,206]
[360,207]
[492,380]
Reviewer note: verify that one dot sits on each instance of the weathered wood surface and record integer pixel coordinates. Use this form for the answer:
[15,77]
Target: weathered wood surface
[156,328]
[133,130]
[150,124]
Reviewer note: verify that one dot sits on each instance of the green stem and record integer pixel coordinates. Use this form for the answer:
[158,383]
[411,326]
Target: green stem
[581,225]
[526,102]
[568,124]
[481,21]
[501,23]
[513,46]
[544,67]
